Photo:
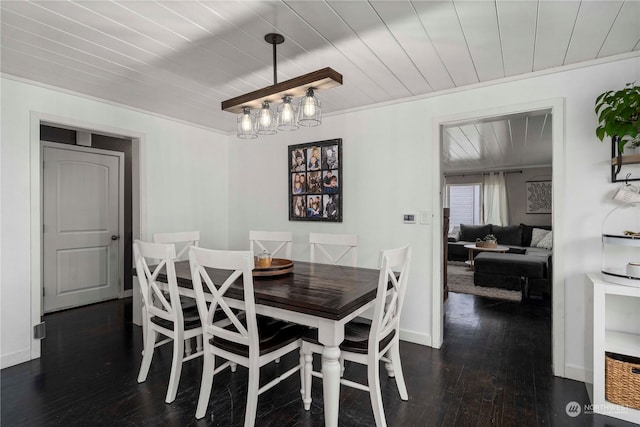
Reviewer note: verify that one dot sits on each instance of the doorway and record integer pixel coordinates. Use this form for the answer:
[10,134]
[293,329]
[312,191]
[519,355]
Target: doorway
[556,108]
[138,200]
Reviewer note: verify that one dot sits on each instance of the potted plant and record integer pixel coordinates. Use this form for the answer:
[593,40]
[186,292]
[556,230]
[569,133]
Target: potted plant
[618,113]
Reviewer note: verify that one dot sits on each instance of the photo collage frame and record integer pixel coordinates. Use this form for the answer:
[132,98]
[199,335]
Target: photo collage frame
[315,181]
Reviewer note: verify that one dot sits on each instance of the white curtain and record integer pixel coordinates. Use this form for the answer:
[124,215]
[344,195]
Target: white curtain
[495,199]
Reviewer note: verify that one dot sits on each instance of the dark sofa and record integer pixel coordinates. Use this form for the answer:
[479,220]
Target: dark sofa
[523,267]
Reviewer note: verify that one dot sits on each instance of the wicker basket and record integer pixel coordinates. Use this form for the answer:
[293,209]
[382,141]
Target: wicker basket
[489,244]
[622,380]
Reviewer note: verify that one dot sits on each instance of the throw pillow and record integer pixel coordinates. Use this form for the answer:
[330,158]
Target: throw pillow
[546,242]
[527,230]
[537,234]
[508,235]
[526,234]
[454,235]
[469,233]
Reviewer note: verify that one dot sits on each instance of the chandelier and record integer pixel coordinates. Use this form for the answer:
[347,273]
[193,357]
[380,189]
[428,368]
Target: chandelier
[256,115]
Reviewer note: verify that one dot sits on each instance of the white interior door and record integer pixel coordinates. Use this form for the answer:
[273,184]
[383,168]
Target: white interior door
[81,219]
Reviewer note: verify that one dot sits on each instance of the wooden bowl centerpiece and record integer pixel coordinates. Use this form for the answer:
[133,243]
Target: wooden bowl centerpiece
[278,267]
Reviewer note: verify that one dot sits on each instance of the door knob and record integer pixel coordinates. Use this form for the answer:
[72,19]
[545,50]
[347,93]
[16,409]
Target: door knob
[114,237]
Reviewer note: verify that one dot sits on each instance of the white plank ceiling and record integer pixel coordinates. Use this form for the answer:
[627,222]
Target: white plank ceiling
[182,58]
[508,142]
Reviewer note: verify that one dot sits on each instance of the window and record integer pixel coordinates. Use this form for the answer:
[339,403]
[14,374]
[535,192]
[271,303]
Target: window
[465,204]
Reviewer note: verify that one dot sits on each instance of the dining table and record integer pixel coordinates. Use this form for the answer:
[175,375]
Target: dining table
[323,296]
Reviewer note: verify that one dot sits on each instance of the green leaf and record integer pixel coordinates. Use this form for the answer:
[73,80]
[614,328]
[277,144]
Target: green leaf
[611,128]
[604,114]
[600,132]
[626,112]
[628,129]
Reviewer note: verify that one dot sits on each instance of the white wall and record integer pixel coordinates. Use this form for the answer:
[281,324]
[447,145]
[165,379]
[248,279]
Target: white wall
[387,171]
[185,178]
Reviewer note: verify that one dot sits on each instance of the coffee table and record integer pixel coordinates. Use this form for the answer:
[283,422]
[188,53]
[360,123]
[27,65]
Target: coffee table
[475,248]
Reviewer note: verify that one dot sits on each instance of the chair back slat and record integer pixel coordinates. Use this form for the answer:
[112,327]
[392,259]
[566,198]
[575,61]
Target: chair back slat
[392,286]
[277,243]
[153,298]
[213,306]
[183,239]
[340,244]
[391,308]
[218,302]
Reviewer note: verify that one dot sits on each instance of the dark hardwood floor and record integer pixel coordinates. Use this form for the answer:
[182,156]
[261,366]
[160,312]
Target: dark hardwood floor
[494,369]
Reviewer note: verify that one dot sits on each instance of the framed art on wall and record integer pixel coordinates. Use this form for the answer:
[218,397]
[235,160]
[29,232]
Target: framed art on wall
[538,197]
[315,181]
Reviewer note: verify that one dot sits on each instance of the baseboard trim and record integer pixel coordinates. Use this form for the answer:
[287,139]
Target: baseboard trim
[574,372]
[7,360]
[127,293]
[415,337]
[588,376]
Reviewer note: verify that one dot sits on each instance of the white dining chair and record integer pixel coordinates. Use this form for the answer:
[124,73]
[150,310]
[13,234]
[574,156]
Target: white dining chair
[277,243]
[182,240]
[164,313]
[368,344]
[246,340]
[334,248]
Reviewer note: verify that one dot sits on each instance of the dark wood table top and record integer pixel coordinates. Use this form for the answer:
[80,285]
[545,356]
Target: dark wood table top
[324,290]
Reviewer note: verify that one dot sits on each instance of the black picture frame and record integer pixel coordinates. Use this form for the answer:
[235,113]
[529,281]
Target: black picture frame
[315,181]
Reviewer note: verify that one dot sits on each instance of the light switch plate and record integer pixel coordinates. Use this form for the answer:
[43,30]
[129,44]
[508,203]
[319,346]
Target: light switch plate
[425,217]
[409,218]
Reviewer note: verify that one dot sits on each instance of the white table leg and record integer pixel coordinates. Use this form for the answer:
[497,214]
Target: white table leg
[330,335]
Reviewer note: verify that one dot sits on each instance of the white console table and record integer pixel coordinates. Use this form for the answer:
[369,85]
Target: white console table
[616,329]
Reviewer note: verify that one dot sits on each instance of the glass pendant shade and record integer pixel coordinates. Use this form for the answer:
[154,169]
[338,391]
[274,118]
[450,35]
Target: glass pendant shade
[309,111]
[287,119]
[246,125]
[266,120]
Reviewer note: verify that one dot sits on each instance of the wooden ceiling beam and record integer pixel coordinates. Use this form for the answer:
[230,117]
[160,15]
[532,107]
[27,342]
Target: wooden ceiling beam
[325,78]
